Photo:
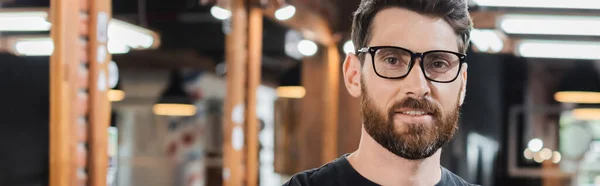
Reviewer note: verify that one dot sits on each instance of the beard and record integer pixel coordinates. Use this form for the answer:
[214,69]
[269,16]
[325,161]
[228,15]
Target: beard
[409,140]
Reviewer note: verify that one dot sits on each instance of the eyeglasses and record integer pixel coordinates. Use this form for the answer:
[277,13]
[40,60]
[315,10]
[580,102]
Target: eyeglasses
[393,62]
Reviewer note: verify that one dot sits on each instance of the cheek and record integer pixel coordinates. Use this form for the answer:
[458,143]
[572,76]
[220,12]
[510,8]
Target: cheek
[380,90]
[447,94]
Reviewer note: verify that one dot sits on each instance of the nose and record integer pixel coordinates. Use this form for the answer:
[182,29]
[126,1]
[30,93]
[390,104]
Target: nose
[415,84]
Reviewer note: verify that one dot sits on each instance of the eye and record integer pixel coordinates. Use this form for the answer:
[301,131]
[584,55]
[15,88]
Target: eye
[391,60]
[440,64]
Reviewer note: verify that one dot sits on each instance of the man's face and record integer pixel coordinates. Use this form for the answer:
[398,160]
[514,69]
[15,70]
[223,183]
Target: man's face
[412,117]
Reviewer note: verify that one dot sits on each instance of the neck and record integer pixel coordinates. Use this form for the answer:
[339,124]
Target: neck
[379,165]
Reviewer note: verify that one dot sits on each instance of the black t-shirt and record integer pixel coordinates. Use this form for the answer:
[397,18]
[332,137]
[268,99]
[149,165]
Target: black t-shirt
[341,173]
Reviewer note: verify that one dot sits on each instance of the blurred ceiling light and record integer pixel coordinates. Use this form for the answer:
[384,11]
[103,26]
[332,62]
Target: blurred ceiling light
[174,101]
[291,92]
[537,157]
[129,34]
[577,97]
[535,144]
[220,13]
[551,25]
[586,113]
[221,69]
[528,154]
[115,95]
[554,4]
[133,36]
[34,46]
[307,48]
[348,47]
[285,13]
[113,75]
[556,157]
[174,109]
[43,46]
[292,38]
[559,49]
[546,153]
[486,40]
[595,146]
[115,47]
[580,84]
[24,21]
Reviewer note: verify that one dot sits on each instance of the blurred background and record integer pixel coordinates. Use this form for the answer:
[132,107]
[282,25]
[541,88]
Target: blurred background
[189,87]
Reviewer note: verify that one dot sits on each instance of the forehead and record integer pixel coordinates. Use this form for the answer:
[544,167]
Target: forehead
[408,29]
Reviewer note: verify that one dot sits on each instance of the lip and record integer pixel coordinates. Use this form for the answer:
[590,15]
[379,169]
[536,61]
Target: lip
[417,119]
[401,110]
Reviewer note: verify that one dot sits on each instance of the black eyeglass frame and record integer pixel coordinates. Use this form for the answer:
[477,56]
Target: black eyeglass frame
[373,50]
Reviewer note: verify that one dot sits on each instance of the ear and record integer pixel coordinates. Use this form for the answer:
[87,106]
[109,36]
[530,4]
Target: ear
[463,88]
[352,72]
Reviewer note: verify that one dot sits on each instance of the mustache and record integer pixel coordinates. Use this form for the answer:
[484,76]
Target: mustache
[418,104]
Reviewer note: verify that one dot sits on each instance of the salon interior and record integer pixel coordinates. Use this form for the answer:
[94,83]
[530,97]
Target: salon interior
[250,92]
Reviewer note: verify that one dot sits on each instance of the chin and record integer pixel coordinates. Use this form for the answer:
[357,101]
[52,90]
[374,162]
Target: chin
[403,128]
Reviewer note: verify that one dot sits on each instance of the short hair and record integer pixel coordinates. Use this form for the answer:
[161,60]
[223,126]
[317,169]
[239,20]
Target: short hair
[454,12]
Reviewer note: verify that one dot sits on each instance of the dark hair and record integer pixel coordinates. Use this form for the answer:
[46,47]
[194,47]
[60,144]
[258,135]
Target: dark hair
[454,12]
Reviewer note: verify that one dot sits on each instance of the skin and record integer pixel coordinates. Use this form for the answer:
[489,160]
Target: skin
[419,33]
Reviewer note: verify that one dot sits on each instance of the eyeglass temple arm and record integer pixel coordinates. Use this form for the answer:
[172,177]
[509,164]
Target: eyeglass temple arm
[365,49]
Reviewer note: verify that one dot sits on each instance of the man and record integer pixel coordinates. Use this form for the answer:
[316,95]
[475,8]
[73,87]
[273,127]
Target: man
[410,73]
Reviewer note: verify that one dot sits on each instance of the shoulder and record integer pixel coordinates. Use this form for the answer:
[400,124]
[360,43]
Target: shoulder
[300,179]
[317,176]
[455,179]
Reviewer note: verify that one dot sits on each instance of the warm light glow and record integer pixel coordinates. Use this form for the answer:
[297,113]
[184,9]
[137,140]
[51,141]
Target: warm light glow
[34,46]
[129,34]
[586,113]
[24,21]
[559,49]
[535,145]
[556,157]
[291,92]
[537,157]
[554,4]
[307,48]
[577,97]
[528,154]
[546,153]
[349,47]
[285,13]
[486,40]
[220,13]
[174,109]
[116,95]
[551,25]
